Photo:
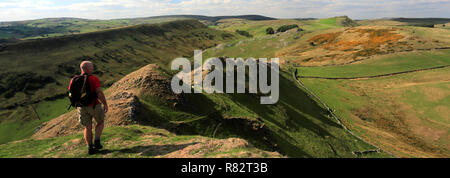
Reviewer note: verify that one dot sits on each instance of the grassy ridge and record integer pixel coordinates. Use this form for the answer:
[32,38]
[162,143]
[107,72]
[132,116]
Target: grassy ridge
[44,28]
[258,28]
[52,27]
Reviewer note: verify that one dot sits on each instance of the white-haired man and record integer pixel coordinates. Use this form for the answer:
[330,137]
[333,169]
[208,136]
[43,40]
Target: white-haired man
[93,110]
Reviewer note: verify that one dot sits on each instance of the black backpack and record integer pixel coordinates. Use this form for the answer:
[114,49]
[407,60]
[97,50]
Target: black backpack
[80,93]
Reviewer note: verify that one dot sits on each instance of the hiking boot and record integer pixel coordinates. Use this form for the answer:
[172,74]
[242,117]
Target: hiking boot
[91,150]
[97,145]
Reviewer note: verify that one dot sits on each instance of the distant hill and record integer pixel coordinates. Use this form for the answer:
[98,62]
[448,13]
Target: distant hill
[217,18]
[419,22]
[424,22]
[49,27]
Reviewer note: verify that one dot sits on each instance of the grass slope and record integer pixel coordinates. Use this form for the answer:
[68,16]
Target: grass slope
[131,142]
[51,62]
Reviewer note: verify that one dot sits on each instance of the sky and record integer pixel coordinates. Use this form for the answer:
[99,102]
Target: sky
[13,10]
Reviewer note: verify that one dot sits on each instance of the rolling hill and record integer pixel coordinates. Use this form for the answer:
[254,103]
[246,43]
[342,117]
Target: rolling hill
[36,71]
[50,27]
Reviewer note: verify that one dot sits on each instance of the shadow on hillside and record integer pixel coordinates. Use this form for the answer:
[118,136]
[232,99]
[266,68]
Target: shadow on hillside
[209,123]
[149,150]
[155,150]
[296,104]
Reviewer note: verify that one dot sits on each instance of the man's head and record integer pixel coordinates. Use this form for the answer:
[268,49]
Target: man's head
[87,67]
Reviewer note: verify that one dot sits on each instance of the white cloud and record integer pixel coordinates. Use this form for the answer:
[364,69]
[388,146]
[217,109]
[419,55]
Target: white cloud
[109,9]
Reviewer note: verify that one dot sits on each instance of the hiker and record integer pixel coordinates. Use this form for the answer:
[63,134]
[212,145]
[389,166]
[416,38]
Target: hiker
[88,104]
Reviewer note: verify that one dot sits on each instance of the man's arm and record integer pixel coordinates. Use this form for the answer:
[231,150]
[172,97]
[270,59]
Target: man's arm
[102,98]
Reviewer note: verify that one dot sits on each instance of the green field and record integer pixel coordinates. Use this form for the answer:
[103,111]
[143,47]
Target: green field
[386,64]
[13,128]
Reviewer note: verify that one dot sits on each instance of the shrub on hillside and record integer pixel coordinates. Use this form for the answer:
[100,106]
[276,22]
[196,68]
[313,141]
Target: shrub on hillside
[24,82]
[270,31]
[244,33]
[286,27]
[2,89]
[226,35]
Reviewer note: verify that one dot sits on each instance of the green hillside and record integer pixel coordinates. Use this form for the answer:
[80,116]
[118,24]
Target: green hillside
[51,62]
[51,27]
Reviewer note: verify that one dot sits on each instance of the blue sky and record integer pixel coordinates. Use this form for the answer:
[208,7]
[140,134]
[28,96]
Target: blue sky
[11,10]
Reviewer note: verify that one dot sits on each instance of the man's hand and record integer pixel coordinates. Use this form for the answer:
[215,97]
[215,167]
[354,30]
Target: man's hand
[105,108]
[102,98]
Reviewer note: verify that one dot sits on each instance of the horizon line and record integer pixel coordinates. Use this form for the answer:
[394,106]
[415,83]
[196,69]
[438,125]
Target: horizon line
[275,18]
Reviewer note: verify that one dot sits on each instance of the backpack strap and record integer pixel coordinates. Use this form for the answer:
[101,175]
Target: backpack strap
[86,77]
[84,82]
